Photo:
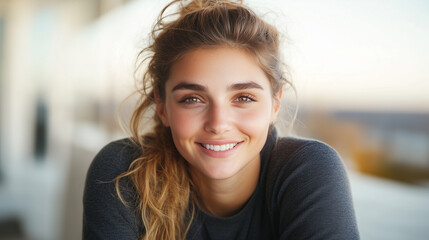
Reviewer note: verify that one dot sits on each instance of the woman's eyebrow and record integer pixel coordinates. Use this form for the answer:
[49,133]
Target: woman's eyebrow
[233,87]
[190,86]
[246,85]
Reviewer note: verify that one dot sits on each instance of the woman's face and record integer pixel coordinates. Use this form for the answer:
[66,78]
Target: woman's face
[219,106]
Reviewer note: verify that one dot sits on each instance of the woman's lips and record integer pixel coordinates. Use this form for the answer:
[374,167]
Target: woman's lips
[224,149]
[217,148]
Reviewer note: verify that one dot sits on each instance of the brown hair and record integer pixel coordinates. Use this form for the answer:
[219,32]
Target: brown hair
[160,175]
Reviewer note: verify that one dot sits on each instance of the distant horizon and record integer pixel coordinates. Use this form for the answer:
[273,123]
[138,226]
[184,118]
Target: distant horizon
[365,111]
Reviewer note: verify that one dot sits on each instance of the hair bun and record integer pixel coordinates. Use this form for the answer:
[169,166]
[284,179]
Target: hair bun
[187,7]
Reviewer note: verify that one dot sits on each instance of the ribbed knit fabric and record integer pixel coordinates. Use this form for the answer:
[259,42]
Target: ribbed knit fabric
[303,193]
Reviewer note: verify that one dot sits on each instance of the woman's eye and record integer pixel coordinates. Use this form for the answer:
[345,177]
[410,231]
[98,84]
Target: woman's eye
[244,99]
[191,100]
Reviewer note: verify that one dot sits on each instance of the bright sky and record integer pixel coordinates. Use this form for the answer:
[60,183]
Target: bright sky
[357,54]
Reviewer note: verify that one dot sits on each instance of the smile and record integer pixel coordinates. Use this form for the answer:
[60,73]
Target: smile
[217,148]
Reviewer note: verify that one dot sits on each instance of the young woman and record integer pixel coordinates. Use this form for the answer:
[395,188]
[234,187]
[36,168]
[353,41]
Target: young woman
[212,166]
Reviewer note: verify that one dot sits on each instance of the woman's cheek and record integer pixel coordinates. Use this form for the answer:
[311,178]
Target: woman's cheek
[184,123]
[255,118]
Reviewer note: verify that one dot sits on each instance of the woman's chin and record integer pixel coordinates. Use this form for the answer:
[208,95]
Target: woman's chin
[218,172]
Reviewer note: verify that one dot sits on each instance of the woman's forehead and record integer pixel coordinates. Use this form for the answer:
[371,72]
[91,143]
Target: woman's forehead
[223,65]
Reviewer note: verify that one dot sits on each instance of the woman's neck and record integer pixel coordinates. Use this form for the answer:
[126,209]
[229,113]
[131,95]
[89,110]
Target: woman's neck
[226,197]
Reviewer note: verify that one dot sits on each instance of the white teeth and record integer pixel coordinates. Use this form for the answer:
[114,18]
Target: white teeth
[218,148]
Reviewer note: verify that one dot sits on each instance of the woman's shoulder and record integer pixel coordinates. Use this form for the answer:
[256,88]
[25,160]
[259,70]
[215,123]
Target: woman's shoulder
[114,158]
[308,188]
[105,215]
[298,163]
[298,151]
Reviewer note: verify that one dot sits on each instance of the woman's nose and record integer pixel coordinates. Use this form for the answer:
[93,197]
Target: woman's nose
[217,120]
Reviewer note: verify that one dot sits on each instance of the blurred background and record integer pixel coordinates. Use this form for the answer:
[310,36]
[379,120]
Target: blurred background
[360,69]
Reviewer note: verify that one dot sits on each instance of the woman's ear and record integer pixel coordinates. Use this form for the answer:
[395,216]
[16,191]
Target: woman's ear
[160,109]
[276,104]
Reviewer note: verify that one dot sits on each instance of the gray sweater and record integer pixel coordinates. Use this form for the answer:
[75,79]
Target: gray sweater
[303,193]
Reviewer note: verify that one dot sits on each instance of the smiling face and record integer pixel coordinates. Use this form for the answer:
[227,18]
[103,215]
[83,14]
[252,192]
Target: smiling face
[219,106]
